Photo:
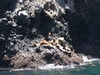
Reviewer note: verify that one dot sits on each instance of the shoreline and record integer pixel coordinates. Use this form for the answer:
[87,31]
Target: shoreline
[86,61]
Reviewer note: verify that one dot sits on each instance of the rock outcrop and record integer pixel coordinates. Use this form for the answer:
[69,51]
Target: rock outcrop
[39,32]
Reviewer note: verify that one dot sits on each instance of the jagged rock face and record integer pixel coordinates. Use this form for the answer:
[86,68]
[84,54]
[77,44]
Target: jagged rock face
[35,33]
[40,32]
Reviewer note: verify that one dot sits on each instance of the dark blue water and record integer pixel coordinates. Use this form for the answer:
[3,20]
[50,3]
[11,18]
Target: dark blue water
[83,70]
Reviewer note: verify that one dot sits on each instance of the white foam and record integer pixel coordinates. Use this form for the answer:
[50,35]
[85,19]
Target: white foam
[86,59]
[52,66]
[46,67]
[22,69]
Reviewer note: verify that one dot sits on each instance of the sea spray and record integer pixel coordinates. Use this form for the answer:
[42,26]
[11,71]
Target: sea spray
[86,59]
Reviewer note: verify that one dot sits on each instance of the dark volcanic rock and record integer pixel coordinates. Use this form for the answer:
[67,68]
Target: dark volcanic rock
[35,33]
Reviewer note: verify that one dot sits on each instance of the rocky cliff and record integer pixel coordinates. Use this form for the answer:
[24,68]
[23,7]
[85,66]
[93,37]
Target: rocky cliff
[39,32]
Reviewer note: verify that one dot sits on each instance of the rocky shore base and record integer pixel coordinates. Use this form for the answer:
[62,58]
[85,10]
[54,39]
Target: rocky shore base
[46,52]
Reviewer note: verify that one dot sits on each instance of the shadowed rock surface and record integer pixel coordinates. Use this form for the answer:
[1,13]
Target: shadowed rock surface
[34,33]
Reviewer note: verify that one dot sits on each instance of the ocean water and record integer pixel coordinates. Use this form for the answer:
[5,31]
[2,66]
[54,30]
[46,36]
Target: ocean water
[90,69]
